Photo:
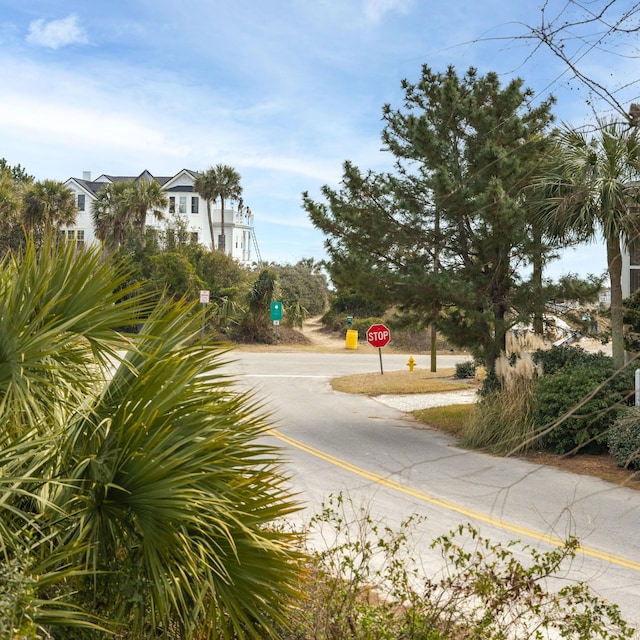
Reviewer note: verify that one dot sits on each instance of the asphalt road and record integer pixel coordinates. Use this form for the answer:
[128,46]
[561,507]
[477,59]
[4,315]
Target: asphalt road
[382,459]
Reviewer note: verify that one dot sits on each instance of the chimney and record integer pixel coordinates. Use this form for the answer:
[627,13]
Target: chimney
[86,175]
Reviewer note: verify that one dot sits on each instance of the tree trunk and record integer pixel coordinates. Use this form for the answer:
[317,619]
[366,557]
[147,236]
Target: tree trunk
[436,268]
[614,264]
[143,228]
[213,238]
[223,239]
[434,345]
[536,277]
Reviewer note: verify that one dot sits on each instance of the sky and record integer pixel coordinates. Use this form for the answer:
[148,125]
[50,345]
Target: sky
[284,91]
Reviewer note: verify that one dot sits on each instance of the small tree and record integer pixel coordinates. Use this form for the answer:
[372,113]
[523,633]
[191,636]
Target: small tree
[46,206]
[113,215]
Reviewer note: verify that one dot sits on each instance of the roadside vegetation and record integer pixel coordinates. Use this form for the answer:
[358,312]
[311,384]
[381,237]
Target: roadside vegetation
[368,582]
[135,493]
[138,497]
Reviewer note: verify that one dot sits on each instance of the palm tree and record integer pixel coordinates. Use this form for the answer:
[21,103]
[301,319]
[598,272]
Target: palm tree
[113,214]
[591,189]
[146,195]
[11,191]
[48,205]
[134,461]
[221,181]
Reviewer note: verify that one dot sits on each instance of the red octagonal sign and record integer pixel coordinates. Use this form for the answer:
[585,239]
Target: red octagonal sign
[378,335]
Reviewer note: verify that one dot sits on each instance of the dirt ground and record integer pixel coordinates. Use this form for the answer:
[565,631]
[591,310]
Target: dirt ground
[313,330]
[601,466]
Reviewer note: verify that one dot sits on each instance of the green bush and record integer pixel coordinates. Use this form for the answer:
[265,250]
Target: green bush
[466,369]
[568,419]
[624,439]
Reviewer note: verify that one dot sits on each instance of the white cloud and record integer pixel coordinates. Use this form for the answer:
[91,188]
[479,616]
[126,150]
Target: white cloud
[376,9]
[56,33]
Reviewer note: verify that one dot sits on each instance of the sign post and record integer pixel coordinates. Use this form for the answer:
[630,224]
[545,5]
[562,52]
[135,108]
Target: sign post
[276,316]
[378,336]
[204,300]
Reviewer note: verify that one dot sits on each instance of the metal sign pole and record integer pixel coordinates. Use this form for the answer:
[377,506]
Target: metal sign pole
[380,354]
[204,299]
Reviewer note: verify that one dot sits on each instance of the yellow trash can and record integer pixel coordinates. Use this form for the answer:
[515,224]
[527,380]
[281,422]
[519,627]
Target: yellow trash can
[352,339]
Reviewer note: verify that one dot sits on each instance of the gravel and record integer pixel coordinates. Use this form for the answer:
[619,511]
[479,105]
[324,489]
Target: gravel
[415,401]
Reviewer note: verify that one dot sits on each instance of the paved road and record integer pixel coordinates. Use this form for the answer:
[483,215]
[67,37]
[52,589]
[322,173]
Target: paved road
[380,457]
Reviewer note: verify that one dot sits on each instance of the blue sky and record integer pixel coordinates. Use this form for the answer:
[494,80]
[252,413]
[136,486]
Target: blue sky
[282,90]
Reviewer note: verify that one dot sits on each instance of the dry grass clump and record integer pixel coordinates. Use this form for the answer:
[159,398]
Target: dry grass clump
[504,422]
[399,382]
[451,419]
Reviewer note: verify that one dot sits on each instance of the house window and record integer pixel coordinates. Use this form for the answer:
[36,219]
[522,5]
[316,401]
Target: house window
[634,280]
[71,234]
[80,237]
[195,203]
[634,251]
[172,204]
[81,201]
[194,237]
[182,207]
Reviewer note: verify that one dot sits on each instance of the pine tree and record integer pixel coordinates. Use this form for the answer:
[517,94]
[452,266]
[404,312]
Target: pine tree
[445,236]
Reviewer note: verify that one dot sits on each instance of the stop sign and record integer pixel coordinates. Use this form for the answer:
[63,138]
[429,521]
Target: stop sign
[378,335]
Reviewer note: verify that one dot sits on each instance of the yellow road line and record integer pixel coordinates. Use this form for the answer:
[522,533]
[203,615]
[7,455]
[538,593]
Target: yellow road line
[451,506]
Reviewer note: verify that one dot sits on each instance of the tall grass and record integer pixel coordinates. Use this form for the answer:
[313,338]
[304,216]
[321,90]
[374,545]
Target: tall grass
[504,419]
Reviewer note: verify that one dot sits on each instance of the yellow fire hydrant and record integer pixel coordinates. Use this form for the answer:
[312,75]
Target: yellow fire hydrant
[411,363]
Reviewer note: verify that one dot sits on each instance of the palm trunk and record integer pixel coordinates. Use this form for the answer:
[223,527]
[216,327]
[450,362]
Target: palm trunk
[223,240]
[213,237]
[143,228]
[614,264]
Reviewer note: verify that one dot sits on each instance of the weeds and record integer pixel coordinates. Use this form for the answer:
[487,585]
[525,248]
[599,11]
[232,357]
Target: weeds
[367,583]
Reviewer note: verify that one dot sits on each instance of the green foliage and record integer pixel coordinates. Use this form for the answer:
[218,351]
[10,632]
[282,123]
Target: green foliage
[571,287]
[362,324]
[579,397]
[135,484]
[367,582]
[589,182]
[444,238]
[46,206]
[303,284]
[223,276]
[255,324]
[173,274]
[346,302]
[466,369]
[623,439]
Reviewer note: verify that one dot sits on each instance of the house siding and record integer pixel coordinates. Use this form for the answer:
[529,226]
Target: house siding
[238,227]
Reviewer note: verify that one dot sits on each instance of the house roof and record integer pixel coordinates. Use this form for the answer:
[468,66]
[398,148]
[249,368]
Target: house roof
[93,186]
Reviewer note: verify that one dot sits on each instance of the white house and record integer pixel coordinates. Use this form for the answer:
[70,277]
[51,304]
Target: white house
[184,203]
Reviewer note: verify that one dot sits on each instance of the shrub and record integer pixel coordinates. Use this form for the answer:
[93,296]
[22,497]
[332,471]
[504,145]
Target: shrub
[579,396]
[369,583]
[624,439]
[504,420]
[466,369]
